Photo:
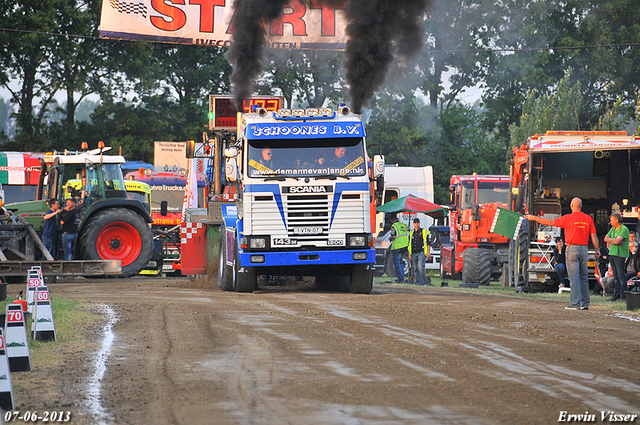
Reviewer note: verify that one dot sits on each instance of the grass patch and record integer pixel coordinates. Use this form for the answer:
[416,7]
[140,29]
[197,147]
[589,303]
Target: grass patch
[73,320]
[496,289]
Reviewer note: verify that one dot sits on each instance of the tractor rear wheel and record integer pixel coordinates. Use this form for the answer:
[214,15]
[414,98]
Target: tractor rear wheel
[118,234]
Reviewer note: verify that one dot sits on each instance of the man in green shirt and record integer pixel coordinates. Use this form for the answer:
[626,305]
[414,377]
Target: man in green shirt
[618,240]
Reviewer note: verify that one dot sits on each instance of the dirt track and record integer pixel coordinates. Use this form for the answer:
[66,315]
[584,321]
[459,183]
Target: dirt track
[186,353]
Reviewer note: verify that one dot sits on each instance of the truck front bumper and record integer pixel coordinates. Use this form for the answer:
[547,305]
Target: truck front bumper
[307,258]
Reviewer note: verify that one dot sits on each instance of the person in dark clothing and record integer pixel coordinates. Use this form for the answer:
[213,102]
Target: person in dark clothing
[69,218]
[632,264]
[50,228]
[559,261]
[603,267]
[419,252]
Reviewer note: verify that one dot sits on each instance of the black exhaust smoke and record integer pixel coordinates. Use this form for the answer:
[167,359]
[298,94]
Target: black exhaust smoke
[377,30]
[247,50]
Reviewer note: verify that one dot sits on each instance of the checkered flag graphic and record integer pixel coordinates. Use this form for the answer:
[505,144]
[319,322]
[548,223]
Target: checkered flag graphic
[129,8]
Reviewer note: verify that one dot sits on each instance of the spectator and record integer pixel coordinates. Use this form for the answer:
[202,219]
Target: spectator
[608,281]
[631,266]
[50,228]
[603,265]
[419,252]
[69,218]
[559,261]
[399,243]
[618,240]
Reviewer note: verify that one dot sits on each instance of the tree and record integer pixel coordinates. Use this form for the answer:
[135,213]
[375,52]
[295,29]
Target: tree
[310,78]
[559,110]
[23,58]
[454,36]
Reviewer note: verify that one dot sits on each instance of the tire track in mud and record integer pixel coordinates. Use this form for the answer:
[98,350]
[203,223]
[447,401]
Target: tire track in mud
[405,357]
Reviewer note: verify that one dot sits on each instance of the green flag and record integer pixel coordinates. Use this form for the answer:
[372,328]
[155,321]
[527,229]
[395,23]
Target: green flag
[506,223]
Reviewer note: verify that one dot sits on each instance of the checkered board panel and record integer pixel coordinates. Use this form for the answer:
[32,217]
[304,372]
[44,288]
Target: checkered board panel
[188,229]
[129,8]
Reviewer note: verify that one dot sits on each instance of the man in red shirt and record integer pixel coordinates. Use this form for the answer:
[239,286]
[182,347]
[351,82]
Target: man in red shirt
[578,227]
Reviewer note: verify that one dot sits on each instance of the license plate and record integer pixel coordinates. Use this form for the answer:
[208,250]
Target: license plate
[307,230]
[591,263]
[284,241]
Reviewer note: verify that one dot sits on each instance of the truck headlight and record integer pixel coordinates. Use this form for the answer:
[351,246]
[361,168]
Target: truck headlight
[358,240]
[256,259]
[257,243]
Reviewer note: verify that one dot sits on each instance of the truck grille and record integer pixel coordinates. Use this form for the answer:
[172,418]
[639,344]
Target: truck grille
[307,212]
[308,217]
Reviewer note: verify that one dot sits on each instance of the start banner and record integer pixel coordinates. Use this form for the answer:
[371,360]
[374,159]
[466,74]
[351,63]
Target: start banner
[304,24]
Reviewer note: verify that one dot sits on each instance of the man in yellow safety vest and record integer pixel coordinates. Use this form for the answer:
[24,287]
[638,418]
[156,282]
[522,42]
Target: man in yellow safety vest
[399,243]
[419,252]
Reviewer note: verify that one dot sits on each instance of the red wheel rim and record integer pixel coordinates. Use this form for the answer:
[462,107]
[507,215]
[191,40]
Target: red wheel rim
[119,241]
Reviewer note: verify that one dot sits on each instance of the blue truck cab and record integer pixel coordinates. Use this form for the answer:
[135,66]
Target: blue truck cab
[304,199]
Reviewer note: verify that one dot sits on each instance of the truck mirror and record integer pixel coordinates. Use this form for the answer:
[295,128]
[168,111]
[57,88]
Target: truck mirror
[475,212]
[231,169]
[164,208]
[378,166]
[191,149]
[231,152]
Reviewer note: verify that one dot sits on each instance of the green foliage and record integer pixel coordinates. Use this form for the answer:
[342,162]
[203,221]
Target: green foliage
[453,142]
[558,110]
[614,118]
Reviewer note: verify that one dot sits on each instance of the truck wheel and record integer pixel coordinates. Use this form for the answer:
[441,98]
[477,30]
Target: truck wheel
[434,239]
[469,260]
[225,272]
[246,281]
[504,279]
[118,234]
[361,279]
[484,267]
[476,266]
[519,259]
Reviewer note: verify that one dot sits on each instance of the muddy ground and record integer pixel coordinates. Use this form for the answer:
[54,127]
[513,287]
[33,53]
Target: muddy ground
[187,353]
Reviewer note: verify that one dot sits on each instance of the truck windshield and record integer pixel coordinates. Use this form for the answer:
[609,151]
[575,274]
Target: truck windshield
[488,192]
[306,158]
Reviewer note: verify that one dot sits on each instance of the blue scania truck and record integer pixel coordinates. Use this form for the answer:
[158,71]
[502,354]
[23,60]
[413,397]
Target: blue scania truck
[304,189]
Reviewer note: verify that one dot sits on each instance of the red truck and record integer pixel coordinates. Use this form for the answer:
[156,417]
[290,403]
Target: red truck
[475,252]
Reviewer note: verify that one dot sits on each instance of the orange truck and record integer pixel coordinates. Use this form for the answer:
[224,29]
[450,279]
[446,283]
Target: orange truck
[475,253]
[547,171]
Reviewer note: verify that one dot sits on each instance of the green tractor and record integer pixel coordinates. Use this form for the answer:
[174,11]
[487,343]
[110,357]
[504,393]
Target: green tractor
[112,226]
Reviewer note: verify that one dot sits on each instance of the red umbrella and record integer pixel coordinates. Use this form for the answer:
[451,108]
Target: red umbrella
[414,204]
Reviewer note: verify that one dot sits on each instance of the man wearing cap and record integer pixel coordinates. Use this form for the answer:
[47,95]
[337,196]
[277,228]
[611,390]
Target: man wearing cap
[419,252]
[399,243]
